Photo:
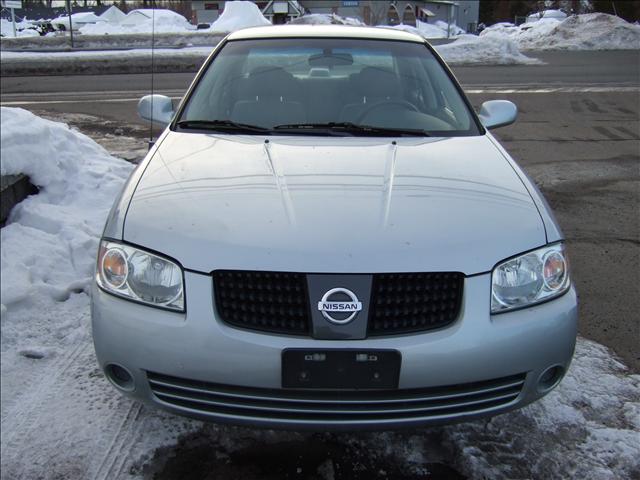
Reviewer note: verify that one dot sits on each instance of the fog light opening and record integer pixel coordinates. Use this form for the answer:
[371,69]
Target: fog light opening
[550,378]
[120,377]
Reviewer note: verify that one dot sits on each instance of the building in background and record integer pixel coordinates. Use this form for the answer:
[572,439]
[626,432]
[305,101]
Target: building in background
[282,11]
[463,13]
[276,11]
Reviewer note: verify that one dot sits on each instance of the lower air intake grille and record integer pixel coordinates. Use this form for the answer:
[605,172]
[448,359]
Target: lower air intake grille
[326,406]
[413,302]
[268,301]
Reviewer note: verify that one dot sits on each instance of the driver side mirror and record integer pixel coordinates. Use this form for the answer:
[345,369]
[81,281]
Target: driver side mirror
[498,113]
[157,109]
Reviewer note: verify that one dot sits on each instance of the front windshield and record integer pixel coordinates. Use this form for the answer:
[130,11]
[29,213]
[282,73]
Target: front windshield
[320,85]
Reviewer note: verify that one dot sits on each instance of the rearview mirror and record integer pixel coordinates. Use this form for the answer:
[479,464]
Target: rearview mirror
[330,60]
[498,113]
[157,109]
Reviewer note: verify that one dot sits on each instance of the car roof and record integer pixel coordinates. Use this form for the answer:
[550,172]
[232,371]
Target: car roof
[326,31]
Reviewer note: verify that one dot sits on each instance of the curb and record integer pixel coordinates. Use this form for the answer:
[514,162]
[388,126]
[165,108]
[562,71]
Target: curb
[71,66]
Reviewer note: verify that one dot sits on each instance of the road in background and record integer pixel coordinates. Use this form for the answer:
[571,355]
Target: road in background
[578,136]
[115,96]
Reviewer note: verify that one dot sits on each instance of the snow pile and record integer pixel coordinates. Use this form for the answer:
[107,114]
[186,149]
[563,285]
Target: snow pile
[88,59]
[591,31]
[408,28]
[27,32]
[77,20]
[49,246]
[144,20]
[326,19]
[24,28]
[438,29]
[57,408]
[474,50]
[238,15]
[546,15]
[113,15]
[454,29]
[471,49]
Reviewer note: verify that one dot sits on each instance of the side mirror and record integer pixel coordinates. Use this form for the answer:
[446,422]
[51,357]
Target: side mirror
[498,113]
[156,108]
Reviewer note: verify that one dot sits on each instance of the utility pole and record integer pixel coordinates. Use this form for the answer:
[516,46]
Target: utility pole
[13,21]
[69,11]
[12,5]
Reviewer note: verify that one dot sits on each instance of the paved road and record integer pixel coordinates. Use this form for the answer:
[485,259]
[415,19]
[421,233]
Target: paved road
[115,96]
[578,136]
[563,69]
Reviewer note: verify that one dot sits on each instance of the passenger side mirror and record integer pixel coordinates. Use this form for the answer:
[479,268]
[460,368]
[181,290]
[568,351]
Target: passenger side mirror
[157,109]
[498,113]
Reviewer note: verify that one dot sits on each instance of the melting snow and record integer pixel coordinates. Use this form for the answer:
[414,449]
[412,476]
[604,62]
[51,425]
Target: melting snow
[471,49]
[48,248]
[326,19]
[23,28]
[61,418]
[238,15]
[140,21]
[591,31]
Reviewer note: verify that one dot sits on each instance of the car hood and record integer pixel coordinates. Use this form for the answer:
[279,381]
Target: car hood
[332,204]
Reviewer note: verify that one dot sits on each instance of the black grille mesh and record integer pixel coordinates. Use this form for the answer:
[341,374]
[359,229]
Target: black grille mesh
[412,302]
[278,301]
[269,301]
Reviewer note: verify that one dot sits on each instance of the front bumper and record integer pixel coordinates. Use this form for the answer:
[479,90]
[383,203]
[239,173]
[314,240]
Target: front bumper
[195,365]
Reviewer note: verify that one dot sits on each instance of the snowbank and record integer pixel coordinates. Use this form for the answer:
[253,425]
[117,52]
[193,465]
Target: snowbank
[547,14]
[113,15]
[467,49]
[237,15]
[326,19]
[474,50]
[49,246]
[141,21]
[77,20]
[23,28]
[438,29]
[27,32]
[591,31]
[471,49]
[454,30]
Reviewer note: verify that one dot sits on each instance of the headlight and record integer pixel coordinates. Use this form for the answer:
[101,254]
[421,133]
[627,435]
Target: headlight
[530,278]
[141,276]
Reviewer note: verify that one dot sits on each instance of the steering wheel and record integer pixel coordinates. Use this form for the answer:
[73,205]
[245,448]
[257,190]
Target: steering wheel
[386,103]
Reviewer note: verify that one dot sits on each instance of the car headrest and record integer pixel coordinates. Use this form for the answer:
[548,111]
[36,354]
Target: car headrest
[270,82]
[375,82]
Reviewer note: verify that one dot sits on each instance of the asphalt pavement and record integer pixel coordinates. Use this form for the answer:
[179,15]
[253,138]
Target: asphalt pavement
[578,136]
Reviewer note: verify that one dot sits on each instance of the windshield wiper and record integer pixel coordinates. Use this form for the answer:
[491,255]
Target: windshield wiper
[351,128]
[221,125]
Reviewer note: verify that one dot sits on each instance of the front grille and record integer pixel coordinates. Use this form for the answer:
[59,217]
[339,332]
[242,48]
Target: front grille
[278,301]
[268,301]
[412,302]
[336,406]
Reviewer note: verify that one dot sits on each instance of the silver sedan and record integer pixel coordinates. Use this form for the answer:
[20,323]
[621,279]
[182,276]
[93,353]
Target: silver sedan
[327,236]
